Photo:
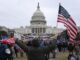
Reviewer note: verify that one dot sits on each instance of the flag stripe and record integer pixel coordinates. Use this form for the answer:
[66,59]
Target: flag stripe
[72,21]
[65,22]
[71,33]
[69,23]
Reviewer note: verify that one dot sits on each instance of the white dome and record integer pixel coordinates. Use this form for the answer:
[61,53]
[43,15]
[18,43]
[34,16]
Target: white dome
[38,13]
[38,16]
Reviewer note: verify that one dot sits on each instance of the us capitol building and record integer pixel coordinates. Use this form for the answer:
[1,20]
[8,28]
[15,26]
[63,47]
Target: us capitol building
[38,26]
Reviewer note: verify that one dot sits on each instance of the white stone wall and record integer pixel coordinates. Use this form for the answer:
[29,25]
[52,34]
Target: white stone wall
[49,30]
[20,30]
[25,30]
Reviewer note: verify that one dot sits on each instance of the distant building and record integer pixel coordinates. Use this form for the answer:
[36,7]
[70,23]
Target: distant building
[38,26]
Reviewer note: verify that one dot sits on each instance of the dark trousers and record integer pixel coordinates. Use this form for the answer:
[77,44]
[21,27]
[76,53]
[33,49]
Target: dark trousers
[10,58]
[3,58]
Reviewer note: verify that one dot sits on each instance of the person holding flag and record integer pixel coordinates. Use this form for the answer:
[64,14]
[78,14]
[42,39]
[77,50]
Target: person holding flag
[71,27]
[65,18]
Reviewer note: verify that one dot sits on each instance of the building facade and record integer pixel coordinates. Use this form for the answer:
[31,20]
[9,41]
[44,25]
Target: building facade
[38,25]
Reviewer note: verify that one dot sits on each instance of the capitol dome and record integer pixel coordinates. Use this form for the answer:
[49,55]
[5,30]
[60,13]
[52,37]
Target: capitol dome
[38,17]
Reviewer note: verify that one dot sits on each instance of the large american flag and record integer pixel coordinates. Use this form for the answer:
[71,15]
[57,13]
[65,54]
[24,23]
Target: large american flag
[66,19]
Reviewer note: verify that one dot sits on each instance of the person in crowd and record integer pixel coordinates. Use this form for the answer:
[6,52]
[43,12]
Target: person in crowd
[64,46]
[59,45]
[46,43]
[35,52]
[72,57]
[10,55]
[42,43]
[54,50]
[5,51]
[16,49]
[71,47]
[21,53]
[3,54]
[29,43]
[77,50]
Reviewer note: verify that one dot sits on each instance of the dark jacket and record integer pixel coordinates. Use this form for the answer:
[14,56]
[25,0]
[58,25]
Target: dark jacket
[3,55]
[34,53]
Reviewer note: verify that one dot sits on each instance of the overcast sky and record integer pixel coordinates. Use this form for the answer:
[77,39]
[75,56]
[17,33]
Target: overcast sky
[16,13]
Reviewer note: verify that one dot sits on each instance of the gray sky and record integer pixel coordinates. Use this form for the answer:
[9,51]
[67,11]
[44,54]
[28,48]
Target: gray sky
[16,13]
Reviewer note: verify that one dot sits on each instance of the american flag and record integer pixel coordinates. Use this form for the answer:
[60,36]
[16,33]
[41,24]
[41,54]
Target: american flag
[65,18]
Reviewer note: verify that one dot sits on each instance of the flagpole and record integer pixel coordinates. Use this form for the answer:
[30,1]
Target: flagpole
[57,25]
[57,16]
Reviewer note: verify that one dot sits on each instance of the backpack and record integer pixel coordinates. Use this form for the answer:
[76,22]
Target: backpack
[3,47]
[72,58]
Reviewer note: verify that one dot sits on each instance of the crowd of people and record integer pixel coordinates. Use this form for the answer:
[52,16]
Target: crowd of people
[72,47]
[8,48]
[38,49]
[9,51]
[33,48]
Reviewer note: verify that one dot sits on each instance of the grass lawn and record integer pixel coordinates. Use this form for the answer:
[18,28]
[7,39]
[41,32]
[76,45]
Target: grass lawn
[60,56]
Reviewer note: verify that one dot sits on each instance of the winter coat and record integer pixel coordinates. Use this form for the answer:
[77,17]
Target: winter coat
[34,53]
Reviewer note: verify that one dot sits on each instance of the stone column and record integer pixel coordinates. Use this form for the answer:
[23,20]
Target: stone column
[39,30]
[42,30]
[33,30]
[36,30]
